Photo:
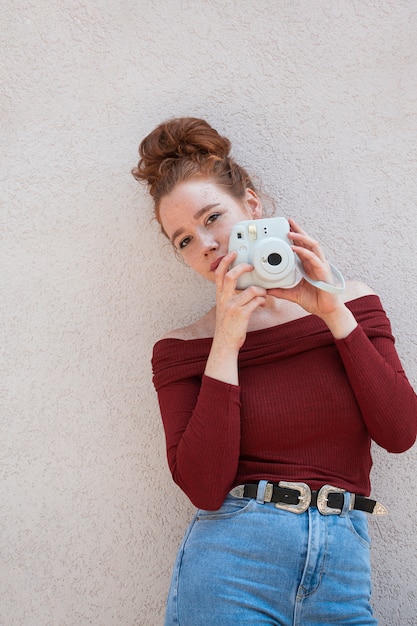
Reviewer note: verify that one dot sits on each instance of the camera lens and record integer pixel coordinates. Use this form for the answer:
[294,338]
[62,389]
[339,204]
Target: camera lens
[274,258]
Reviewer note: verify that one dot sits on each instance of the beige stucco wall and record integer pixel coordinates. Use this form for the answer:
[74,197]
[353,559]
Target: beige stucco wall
[319,97]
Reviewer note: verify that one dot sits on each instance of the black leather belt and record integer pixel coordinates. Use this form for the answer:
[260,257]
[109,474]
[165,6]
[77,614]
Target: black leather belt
[297,497]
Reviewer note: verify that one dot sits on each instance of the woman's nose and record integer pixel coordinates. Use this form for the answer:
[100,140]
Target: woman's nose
[208,242]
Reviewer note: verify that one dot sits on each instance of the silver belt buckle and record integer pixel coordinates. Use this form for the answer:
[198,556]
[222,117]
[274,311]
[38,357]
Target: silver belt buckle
[322,498]
[238,491]
[304,498]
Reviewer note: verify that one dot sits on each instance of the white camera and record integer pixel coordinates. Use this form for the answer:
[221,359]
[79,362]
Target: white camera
[264,243]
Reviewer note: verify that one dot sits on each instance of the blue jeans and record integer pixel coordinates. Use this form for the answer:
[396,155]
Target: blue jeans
[251,563]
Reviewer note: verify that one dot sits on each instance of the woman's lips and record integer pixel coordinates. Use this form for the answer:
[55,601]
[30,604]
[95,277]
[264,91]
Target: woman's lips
[216,263]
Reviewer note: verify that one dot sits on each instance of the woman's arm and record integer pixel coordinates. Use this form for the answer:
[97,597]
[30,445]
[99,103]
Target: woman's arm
[233,311]
[202,429]
[202,418]
[386,399]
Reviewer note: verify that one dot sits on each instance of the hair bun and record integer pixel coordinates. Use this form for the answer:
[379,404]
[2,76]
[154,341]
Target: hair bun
[187,138]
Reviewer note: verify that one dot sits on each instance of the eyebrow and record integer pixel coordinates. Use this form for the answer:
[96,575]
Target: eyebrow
[196,216]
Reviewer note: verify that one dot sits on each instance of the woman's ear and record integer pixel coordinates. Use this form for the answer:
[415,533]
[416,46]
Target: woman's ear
[253,204]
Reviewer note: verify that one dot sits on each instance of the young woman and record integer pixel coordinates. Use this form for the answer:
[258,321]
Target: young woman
[269,403]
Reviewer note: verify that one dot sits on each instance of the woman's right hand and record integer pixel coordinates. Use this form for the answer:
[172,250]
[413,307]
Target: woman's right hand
[233,311]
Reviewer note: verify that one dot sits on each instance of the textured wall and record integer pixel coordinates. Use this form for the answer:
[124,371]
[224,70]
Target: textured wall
[319,98]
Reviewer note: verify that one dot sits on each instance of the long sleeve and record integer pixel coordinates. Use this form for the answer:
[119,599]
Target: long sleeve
[387,401]
[202,428]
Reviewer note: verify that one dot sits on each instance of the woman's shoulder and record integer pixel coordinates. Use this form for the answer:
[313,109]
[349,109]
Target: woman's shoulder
[200,329]
[176,356]
[357,289]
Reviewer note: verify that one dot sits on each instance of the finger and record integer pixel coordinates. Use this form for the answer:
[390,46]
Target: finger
[226,275]
[245,304]
[225,263]
[250,293]
[295,228]
[236,271]
[314,264]
[259,301]
[223,268]
[305,241]
[285,294]
[314,255]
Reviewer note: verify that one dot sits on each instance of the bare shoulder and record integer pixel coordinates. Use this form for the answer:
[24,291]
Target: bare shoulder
[357,289]
[202,328]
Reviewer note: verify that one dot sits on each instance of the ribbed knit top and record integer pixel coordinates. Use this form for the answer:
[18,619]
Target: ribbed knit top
[306,408]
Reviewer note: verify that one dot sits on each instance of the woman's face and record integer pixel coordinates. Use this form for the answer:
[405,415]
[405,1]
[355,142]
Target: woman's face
[198,216]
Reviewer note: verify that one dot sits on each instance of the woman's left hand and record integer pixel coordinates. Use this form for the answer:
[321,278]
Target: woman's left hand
[310,298]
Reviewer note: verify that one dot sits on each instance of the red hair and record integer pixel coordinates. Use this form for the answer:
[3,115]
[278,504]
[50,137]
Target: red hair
[182,148]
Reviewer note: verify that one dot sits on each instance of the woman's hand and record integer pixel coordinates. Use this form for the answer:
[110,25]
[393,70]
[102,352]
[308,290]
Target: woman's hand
[328,306]
[234,308]
[233,311]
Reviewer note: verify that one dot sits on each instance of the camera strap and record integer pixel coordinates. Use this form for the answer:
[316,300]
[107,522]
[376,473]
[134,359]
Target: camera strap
[338,287]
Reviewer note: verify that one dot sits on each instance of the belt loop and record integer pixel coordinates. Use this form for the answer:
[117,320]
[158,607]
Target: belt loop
[260,495]
[346,504]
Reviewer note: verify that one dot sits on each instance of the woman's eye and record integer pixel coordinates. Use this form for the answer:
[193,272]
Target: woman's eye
[213,217]
[184,242]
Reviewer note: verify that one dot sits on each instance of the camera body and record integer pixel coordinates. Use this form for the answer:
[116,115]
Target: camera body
[264,243]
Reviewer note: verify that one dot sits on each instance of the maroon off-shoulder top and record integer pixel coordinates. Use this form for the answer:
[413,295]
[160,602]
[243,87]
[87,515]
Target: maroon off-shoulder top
[306,408]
